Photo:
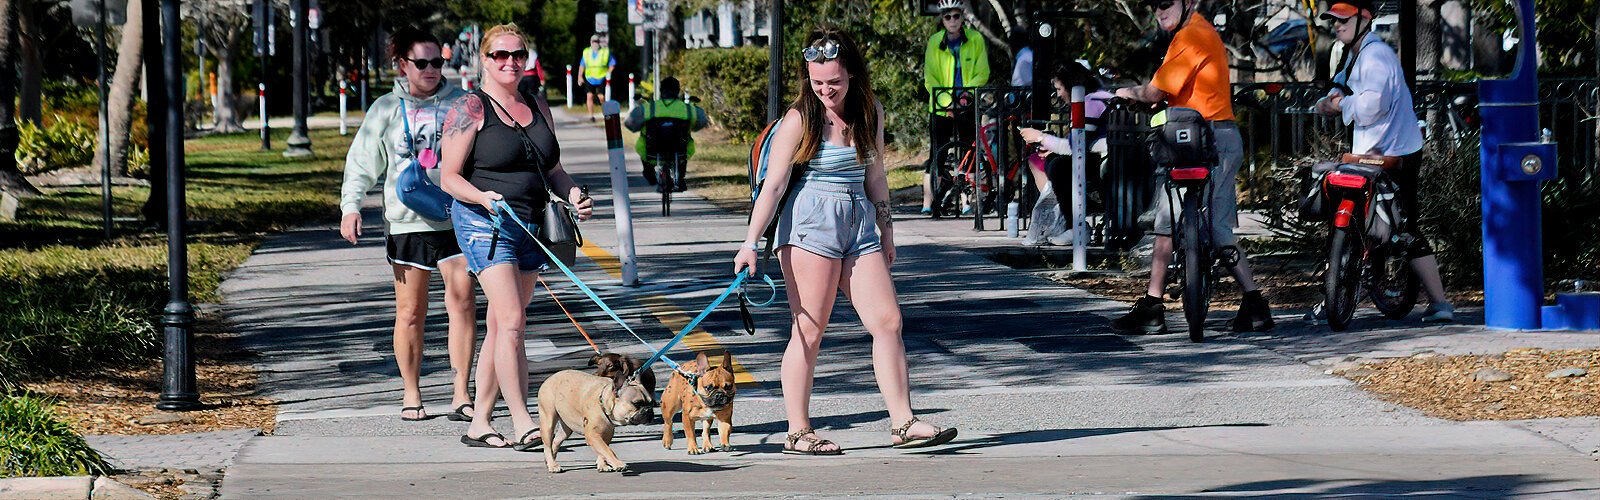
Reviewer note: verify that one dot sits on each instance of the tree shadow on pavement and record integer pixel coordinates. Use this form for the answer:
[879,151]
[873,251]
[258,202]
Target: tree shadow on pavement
[1496,486]
[967,446]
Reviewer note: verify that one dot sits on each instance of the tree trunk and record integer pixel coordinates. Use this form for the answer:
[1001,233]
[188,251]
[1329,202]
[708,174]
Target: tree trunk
[226,104]
[124,84]
[31,107]
[11,180]
[1429,35]
[155,117]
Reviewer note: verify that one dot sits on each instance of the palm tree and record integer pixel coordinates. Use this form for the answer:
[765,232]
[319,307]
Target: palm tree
[124,85]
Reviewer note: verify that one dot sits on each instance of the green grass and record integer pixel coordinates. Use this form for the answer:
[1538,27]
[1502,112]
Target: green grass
[77,301]
[36,443]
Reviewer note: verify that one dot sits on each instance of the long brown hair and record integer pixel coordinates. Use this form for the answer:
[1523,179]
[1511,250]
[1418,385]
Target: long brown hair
[860,104]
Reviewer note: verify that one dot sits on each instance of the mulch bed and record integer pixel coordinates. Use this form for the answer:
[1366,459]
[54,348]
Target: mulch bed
[110,401]
[1443,386]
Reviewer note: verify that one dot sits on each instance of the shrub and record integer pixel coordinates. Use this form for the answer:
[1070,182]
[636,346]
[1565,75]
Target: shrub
[61,144]
[72,309]
[36,443]
[732,85]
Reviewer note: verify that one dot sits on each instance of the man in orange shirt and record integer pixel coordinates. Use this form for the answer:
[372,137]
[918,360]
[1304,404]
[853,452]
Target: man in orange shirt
[1194,74]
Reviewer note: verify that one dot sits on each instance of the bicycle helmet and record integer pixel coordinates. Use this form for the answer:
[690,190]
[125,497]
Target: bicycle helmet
[945,5]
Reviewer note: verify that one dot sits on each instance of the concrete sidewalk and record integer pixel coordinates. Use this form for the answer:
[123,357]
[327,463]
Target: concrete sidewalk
[1050,402]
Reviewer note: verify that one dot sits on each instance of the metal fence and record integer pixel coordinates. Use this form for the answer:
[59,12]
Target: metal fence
[1280,123]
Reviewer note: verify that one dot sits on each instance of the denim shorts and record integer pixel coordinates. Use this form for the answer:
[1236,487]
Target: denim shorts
[1224,207]
[834,220]
[485,245]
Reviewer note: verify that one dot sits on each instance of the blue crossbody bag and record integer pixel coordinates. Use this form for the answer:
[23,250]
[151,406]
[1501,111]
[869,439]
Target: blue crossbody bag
[415,190]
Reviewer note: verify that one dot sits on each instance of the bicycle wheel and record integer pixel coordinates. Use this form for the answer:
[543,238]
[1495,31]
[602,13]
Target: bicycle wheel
[1390,281]
[664,183]
[1195,254]
[1344,276]
[946,184]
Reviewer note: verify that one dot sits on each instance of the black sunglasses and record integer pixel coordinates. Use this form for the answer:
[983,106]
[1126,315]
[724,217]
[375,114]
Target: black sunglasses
[437,62]
[502,55]
[952,16]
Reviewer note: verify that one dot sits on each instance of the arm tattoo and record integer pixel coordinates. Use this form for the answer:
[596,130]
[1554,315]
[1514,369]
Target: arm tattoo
[885,216]
[465,115]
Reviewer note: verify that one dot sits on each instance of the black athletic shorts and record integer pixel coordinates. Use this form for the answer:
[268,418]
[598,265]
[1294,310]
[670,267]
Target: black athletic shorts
[423,250]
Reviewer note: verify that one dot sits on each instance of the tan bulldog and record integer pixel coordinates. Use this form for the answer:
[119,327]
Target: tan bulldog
[709,398]
[573,399]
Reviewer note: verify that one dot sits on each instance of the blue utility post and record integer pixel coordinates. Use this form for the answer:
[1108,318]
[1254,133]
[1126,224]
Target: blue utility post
[1513,163]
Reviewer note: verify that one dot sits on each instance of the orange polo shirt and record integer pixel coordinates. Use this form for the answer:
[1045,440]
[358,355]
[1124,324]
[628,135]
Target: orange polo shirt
[1194,73]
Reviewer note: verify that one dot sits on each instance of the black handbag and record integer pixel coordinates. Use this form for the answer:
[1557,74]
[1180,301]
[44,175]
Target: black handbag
[560,222]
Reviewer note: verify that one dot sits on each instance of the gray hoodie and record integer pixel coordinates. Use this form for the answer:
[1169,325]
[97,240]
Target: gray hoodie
[380,150]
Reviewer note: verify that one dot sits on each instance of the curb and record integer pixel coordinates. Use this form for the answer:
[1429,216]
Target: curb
[68,488]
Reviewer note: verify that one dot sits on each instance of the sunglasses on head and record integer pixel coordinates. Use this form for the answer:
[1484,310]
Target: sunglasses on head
[437,62]
[502,55]
[822,51]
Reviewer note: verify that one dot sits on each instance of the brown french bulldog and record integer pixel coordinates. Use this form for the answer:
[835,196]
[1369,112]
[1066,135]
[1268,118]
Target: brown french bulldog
[571,399]
[610,364]
[709,398]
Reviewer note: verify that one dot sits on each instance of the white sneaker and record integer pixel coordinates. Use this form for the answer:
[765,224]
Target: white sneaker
[1061,240]
[1034,241]
[1439,313]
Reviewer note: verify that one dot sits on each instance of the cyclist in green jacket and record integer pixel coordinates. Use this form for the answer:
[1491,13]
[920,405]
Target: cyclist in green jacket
[956,56]
[669,106]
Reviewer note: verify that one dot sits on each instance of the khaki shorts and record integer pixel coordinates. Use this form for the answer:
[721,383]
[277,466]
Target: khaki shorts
[1224,203]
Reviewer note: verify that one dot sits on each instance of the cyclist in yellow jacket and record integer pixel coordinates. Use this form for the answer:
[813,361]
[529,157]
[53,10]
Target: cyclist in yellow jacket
[956,56]
[668,107]
[596,67]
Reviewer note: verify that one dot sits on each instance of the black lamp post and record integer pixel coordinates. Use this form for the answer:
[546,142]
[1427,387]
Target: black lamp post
[300,139]
[178,391]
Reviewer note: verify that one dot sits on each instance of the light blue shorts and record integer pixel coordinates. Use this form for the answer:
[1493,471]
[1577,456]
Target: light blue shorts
[834,220]
[485,244]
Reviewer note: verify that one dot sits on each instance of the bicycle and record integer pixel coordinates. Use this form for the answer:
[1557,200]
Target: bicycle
[1367,241]
[667,166]
[1187,186]
[975,172]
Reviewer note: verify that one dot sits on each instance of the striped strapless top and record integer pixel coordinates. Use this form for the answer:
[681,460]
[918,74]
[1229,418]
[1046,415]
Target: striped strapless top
[836,164]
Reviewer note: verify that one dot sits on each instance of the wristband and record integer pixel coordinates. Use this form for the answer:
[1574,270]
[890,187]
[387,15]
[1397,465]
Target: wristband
[754,247]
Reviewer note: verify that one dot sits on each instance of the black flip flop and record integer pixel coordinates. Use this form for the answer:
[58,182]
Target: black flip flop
[417,409]
[483,441]
[460,416]
[523,444]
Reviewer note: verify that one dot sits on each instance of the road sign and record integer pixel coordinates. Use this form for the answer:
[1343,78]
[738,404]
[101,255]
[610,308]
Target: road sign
[602,23]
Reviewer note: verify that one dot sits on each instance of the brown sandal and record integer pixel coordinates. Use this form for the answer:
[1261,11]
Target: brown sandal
[810,437]
[943,436]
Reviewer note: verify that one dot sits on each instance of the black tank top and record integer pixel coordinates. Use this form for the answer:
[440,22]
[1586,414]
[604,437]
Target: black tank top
[512,160]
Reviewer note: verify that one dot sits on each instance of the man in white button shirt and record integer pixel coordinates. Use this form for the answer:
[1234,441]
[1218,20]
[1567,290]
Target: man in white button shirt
[1385,124]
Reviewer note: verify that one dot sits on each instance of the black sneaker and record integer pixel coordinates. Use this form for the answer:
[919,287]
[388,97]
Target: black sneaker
[650,175]
[1147,317]
[1255,314]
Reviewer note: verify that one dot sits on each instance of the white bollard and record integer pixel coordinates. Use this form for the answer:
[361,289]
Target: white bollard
[608,90]
[630,92]
[619,193]
[261,101]
[1080,197]
[569,86]
[344,108]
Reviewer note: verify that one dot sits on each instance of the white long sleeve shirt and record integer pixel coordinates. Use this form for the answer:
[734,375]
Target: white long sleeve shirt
[1380,107]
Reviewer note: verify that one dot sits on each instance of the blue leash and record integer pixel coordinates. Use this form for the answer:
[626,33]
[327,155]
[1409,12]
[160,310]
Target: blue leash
[659,354]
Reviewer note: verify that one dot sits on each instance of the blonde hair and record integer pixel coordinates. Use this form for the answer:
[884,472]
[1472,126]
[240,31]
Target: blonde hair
[497,32]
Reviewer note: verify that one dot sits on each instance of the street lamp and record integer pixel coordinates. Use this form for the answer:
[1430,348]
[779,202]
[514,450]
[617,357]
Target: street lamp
[178,391]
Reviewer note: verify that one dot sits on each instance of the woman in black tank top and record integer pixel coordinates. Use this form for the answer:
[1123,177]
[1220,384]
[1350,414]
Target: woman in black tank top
[499,145]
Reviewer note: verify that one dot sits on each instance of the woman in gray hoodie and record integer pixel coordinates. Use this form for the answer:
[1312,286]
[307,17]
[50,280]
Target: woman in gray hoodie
[417,246]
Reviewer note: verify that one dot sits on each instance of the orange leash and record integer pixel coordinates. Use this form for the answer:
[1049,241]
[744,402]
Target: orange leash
[569,315]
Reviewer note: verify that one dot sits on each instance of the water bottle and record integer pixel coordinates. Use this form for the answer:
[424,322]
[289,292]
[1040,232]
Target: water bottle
[1011,218]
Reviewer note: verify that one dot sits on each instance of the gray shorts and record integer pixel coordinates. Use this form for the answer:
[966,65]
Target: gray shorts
[1224,195]
[830,219]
